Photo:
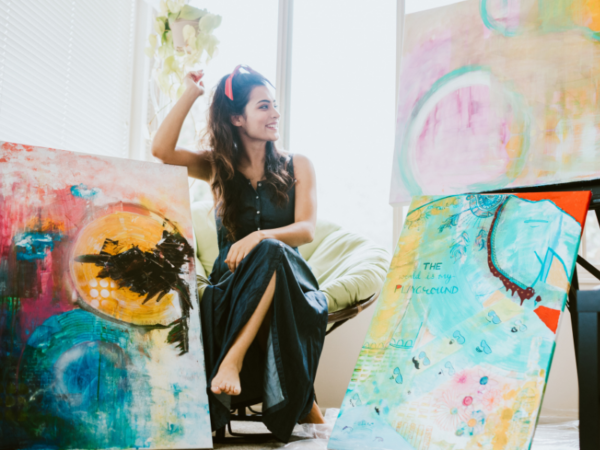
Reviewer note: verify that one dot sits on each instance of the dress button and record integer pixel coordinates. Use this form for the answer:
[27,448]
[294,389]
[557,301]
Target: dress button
[259,184]
[258,228]
[257,196]
[257,212]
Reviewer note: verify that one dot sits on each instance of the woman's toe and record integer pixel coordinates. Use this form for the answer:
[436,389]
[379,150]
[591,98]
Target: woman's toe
[215,389]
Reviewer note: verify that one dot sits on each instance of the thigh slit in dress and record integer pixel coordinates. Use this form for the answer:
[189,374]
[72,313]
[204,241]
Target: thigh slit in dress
[281,378]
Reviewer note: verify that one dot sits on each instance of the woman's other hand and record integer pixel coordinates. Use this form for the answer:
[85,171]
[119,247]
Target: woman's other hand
[239,250]
[193,82]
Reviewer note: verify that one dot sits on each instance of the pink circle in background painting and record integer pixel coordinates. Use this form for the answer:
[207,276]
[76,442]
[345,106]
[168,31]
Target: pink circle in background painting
[467,134]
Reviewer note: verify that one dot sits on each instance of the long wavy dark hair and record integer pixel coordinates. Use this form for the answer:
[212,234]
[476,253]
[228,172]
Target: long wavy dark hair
[227,147]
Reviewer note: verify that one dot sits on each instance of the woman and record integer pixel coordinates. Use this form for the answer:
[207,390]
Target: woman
[263,317]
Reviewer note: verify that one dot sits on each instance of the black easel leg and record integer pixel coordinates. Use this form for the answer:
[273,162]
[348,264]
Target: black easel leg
[589,407]
[572,305]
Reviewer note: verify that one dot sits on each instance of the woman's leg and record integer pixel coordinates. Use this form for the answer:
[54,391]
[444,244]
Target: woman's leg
[227,379]
[314,416]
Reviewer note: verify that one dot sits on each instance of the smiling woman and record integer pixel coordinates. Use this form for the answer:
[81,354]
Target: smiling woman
[263,315]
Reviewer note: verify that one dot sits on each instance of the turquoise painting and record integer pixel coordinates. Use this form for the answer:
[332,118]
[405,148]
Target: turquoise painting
[458,352]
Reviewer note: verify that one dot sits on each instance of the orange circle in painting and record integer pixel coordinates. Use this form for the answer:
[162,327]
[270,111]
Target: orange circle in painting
[472,423]
[124,229]
[586,13]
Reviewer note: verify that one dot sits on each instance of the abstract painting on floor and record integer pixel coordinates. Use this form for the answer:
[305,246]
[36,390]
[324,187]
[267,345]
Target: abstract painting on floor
[498,93]
[100,339]
[459,349]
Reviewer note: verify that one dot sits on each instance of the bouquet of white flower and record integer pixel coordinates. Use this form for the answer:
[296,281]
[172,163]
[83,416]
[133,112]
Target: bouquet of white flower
[183,36]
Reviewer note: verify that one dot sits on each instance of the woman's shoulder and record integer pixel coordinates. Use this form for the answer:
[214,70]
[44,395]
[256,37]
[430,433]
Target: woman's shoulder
[294,158]
[300,161]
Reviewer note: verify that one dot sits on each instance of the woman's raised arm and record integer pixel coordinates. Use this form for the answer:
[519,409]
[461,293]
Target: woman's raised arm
[165,141]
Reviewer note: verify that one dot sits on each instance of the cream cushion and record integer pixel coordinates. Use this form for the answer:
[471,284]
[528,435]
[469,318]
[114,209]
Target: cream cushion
[349,267]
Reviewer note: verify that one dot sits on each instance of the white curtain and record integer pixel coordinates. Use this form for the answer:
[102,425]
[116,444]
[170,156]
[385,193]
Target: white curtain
[66,74]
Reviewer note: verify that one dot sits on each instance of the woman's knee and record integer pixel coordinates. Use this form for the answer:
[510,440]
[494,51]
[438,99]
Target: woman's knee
[271,244]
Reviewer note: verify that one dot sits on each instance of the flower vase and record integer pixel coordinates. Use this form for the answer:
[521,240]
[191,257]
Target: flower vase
[177,31]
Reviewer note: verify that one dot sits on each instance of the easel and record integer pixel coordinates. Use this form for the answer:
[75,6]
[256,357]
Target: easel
[584,320]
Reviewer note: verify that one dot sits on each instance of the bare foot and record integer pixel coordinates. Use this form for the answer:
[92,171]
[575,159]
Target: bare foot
[314,416]
[227,380]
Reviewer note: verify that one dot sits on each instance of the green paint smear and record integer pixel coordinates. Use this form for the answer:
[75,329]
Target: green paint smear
[492,24]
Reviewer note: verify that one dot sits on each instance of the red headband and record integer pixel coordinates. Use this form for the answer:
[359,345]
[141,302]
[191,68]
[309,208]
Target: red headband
[228,83]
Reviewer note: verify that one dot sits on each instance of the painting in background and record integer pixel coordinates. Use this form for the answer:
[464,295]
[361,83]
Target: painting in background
[498,93]
[458,352]
[100,339]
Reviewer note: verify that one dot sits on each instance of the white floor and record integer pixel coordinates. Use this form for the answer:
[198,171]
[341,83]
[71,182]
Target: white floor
[552,433]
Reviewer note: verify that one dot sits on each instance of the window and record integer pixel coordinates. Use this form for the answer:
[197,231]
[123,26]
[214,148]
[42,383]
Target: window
[66,74]
[342,108]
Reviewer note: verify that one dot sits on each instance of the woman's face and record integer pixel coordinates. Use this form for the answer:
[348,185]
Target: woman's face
[261,118]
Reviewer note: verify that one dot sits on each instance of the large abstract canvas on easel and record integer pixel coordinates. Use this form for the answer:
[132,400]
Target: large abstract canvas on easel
[458,352]
[100,340]
[498,93]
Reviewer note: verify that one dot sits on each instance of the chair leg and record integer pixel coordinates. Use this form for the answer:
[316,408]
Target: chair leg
[240,414]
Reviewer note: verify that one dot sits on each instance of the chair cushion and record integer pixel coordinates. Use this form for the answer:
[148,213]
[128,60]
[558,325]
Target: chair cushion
[323,229]
[205,235]
[349,267]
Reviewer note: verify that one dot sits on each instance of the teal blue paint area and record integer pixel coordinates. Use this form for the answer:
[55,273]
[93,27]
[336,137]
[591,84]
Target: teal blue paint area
[82,191]
[78,372]
[34,245]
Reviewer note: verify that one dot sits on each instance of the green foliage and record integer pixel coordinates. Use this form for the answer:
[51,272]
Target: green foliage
[171,64]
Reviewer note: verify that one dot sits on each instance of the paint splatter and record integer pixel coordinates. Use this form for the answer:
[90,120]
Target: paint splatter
[82,191]
[153,274]
[509,285]
[34,245]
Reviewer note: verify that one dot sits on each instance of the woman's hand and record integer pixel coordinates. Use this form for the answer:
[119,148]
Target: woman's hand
[239,250]
[190,81]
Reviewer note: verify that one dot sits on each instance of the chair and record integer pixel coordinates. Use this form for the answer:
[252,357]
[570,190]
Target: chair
[349,268]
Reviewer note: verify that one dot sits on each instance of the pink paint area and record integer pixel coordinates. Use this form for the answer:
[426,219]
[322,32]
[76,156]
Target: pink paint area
[462,142]
[51,300]
[421,68]
[487,33]
[41,284]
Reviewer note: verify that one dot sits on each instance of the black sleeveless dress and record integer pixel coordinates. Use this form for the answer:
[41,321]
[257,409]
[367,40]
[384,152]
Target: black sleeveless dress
[283,378]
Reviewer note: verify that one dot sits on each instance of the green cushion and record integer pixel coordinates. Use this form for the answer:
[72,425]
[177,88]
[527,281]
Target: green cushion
[205,235]
[322,230]
[349,267]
